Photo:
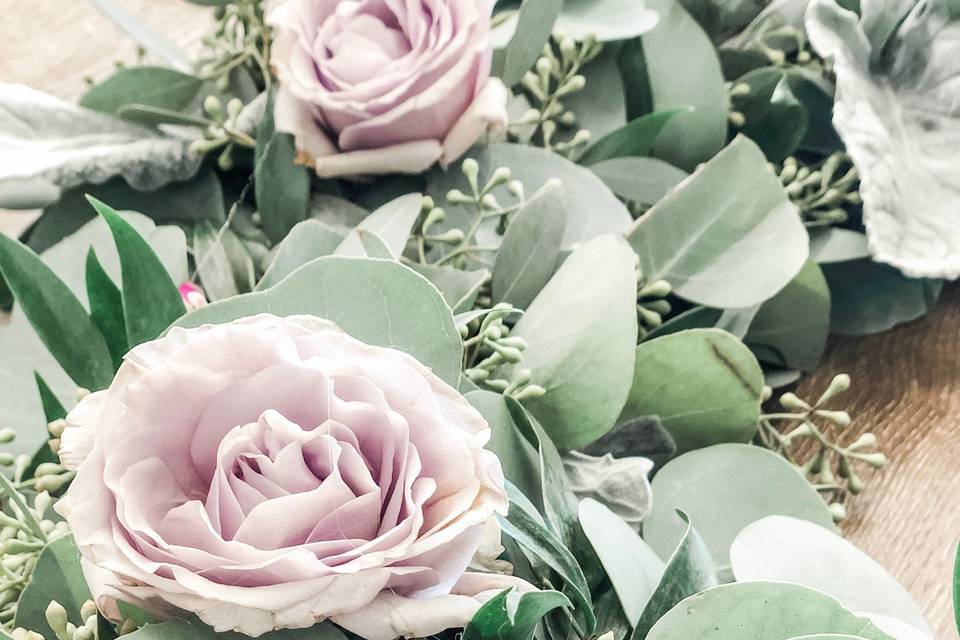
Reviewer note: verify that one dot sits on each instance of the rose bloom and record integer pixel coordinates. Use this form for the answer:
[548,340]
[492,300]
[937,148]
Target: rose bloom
[274,472]
[381,86]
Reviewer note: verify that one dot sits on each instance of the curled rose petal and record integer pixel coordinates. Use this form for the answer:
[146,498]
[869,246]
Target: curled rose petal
[274,472]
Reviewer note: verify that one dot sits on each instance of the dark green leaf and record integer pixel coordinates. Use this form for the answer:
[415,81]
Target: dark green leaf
[689,570]
[698,317]
[533,30]
[154,116]
[157,87]
[57,576]
[57,316]
[106,308]
[151,301]
[282,188]
[636,138]
[511,615]
[795,322]
[643,436]
[52,408]
[773,117]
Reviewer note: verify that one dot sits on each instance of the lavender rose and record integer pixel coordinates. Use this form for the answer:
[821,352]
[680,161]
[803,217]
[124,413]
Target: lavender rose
[274,472]
[381,86]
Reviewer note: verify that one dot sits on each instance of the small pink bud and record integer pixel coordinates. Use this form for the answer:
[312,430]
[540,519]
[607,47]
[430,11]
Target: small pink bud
[193,296]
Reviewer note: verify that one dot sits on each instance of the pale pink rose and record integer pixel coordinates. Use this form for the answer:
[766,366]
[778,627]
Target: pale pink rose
[382,86]
[274,472]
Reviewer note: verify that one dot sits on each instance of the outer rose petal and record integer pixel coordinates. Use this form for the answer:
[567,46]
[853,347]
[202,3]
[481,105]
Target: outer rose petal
[410,157]
[487,114]
[78,437]
[391,615]
[294,116]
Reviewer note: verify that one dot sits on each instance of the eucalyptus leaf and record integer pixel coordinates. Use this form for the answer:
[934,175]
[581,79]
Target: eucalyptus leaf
[703,384]
[689,571]
[634,139]
[369,299]
[606,20]
[374,246]
[48,145]
[151,300]
[760,611]
[833,244]
[641,180]
[57,576]
[392,223]
[733,252]
[795,322]
[785,549]
[157,87]
[530,250]
[23,351]
[870,297]
[698,317]
[532,28]
[512,615]
[658,77]
[307,240]
[580,348]
[224,266]
[282,188]
[601,106]
[106,308]
[750,482]
[459,288]
[338,213]
[590,208]
[633,567]
[773,117]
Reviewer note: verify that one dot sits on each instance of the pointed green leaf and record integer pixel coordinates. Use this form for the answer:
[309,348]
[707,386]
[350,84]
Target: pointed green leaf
[534,23]
[52,408]
[636,138]
[57,316]
[282,188]
[392,222]
[374,246]
[308,240]
[511,615]
[151,301]
[157,87]
[106,308]
[459,288]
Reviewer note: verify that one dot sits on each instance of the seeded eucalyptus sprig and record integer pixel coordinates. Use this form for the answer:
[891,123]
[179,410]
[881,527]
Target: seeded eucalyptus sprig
[488,346]
[822,190]
[240,38]
[555,75]
[652,303]
[829,465]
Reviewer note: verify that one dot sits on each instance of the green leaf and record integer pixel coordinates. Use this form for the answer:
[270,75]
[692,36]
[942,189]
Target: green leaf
[773,117]
[632,566]
[525,526]
[23,351]
[749,482]
[200,198]
[57,576]
[760,611]
[590,208]
[459,288]
[530,249]
[392,222]
[374,246]
[689,570]
[52,408]
[151,301]
[795,322]
[534,24]
[155,116]
[581,347]
[57,316]
[833,244]
[659,77]
[222,262]
[143,35]
[729,252]
[106,308]
[282,188]
[641,180]
[308,240]
[369,299]
[698,317]
[643,436]
[704,385]
[635,139]
[605,20]
[511,615]
[157,87]
[870,297]
[189,630]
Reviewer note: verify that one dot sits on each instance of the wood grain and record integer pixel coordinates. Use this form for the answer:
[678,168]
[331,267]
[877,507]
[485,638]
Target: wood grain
[906,382]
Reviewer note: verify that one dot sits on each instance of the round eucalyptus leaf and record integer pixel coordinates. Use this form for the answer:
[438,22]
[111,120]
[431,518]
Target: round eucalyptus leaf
[760,611]
[723,489]
[785,549]
[703,384]
[606,20]
[380,302]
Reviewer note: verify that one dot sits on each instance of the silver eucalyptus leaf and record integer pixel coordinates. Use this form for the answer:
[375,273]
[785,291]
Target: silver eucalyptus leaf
[897,109]
[47,145]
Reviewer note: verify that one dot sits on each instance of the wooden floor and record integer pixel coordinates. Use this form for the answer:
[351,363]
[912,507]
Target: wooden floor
[906,382]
